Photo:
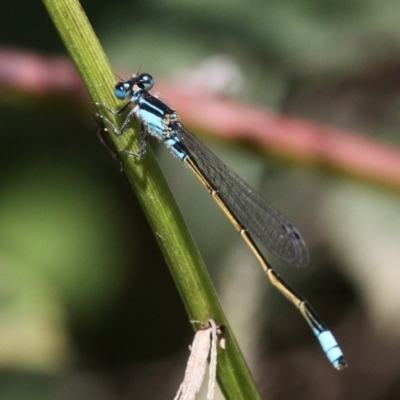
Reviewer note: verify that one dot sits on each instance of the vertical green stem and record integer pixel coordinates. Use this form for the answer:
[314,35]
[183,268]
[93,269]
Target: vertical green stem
[180,252]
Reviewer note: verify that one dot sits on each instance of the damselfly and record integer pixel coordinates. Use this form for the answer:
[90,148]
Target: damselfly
[251,214]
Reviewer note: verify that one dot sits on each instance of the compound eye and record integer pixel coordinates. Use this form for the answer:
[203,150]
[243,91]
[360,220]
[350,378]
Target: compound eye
[122,90]
[145,81]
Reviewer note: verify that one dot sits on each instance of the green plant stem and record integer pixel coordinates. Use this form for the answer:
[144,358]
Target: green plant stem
[146,178]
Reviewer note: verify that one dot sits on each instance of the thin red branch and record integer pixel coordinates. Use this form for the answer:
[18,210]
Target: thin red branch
[295,138]
[345,151]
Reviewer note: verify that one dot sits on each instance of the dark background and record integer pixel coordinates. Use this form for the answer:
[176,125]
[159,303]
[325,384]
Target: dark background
[88,309]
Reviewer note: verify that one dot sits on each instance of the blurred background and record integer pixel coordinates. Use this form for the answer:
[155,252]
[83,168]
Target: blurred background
[88,309]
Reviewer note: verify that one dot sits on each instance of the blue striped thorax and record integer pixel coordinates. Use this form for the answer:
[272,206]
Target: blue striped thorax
[160,120]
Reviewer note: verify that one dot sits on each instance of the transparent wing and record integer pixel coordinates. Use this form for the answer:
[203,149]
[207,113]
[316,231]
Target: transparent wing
[260,218]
